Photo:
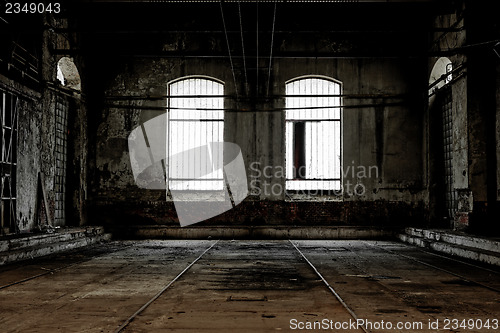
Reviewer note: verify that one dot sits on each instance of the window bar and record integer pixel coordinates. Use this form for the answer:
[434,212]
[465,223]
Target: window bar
[299,151]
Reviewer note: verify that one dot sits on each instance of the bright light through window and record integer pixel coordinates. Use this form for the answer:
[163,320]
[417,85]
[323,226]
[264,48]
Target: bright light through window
[194,121]
[60,75]
[313,134]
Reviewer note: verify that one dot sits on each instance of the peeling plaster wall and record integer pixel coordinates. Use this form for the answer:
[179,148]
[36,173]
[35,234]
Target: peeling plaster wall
[36,139]
[36,153]
[28,161]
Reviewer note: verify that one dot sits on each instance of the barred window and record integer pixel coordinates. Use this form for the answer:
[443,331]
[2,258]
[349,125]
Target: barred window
[8,161]
[196,118]
[313,134]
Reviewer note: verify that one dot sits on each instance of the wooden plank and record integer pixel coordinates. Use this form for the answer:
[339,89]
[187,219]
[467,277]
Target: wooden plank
[41,188]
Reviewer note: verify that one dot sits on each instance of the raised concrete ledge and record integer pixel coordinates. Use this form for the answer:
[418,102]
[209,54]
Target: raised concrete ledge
[262,232]
[13,242]
[456,238]
[26,246]
[454,243]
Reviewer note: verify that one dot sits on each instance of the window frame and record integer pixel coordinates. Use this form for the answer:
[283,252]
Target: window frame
[168,130]
[334,194]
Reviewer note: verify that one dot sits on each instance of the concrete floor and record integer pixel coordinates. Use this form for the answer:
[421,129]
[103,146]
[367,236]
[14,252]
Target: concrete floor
[248,286]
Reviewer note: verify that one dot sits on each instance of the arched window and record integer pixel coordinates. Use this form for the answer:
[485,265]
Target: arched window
[195,119]
[313,134]
[68,74]
[440,74]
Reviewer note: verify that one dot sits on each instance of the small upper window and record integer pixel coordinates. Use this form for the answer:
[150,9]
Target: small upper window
[441,74]
[67,74]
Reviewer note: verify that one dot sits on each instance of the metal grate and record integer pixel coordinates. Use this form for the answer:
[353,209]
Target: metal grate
[313,134]
[24,61]
[8,160]
[61,159]
[194,121]
[447,120]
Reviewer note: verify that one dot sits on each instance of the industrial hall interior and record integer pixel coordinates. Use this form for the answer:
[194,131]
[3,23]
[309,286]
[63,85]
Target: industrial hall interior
[250,166]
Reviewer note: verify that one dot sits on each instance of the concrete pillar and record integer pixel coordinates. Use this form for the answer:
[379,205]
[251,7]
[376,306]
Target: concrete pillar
[460,154]
[497,135]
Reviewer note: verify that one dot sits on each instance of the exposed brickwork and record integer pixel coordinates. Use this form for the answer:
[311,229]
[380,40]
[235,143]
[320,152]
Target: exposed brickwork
[260,213]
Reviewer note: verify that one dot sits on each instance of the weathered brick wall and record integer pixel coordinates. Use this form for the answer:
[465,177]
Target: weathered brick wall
[117,215]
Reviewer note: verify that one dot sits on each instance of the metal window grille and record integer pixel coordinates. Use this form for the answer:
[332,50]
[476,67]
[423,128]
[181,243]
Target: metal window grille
[313,134]
[61,138]
[196,118]
[8,160]
[447,121]
[25,61]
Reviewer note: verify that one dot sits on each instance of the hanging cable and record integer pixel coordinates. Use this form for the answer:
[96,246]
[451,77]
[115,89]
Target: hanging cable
[271,52]
[243,48]
[229,51]
[257,51]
